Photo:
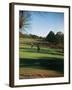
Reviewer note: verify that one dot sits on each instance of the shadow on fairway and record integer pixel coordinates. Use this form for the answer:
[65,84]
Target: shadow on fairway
[55,64]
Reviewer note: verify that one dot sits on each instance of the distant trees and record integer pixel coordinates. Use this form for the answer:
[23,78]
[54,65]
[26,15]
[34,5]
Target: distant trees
[50,37]
[57,38]
[30,36]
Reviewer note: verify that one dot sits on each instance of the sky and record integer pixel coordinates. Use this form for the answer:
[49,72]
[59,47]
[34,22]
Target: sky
[41,23]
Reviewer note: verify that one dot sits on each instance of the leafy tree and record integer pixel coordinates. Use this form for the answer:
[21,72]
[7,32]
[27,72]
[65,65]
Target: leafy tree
[59,38]
[50,37]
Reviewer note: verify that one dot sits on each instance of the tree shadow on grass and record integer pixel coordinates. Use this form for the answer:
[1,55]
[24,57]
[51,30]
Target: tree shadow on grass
[55,64]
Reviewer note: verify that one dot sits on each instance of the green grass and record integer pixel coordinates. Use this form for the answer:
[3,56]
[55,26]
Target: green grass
[27,52]
[48,62]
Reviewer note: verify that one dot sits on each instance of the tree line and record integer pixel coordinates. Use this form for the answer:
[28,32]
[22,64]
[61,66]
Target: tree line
[57,38]
[51,37]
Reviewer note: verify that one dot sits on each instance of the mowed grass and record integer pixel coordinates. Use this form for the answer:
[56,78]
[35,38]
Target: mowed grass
[48,62]
[27,52]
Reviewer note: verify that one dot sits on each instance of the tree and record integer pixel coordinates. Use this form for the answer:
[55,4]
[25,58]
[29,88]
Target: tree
[59,38]
[24,18]
[50,37]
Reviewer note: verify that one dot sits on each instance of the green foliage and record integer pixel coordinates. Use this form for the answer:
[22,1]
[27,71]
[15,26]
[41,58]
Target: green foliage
[56,39]
[50,37]
[59,38]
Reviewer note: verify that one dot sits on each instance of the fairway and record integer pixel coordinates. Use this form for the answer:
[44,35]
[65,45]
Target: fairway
[27,52]
[48,62]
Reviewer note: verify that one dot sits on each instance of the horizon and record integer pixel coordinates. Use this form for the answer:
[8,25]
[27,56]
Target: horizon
[37,35]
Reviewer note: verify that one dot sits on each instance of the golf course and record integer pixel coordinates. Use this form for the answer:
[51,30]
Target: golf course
[47,62]
[41,44]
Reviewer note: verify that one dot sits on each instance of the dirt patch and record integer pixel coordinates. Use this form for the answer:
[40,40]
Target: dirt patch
[29,73]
